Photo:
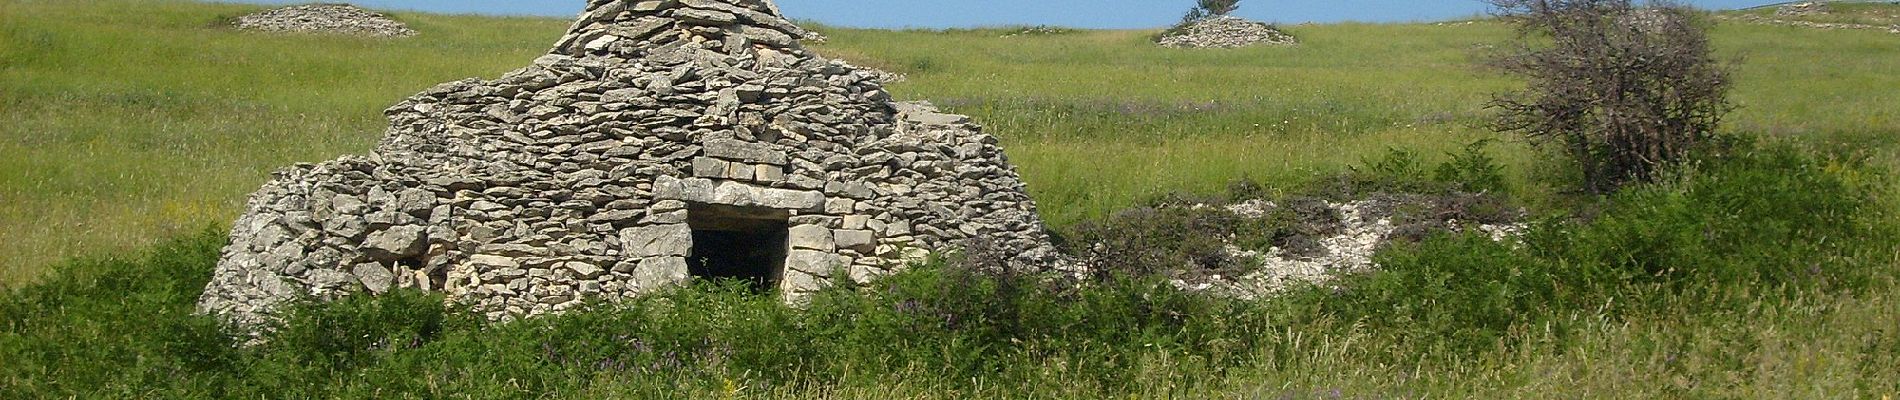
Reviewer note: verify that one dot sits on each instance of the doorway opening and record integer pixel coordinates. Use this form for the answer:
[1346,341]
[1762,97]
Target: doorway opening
[745,244]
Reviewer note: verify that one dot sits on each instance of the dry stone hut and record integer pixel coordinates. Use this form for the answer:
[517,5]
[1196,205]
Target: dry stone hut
[660,141]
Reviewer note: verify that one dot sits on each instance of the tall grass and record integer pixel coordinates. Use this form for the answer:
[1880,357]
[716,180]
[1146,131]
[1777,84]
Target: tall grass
[123,121]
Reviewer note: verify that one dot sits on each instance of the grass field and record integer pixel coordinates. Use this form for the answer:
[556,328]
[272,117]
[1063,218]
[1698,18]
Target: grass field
[128,121]
[125,124]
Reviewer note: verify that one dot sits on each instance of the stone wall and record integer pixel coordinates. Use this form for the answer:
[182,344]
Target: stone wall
[571,179]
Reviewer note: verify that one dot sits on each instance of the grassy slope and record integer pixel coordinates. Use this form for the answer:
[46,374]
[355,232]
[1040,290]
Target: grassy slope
[126,120]
[1842,13]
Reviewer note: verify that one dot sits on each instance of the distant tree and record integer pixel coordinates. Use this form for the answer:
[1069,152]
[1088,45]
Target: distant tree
[1622,90]
[1204,9]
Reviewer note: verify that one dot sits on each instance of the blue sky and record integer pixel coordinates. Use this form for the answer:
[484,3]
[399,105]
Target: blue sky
[972,13]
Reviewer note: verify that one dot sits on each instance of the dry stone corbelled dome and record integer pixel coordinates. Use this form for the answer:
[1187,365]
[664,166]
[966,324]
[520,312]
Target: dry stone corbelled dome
[659,141]
[1225,32]
[324,18]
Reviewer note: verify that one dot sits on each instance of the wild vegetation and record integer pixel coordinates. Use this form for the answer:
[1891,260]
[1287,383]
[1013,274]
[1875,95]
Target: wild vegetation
[1765,267]
[1626,92]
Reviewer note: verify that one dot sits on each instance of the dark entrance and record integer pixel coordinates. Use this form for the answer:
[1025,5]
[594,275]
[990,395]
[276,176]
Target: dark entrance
[738,243]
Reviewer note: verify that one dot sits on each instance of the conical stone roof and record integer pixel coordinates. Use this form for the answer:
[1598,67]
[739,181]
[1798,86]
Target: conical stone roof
[585,175]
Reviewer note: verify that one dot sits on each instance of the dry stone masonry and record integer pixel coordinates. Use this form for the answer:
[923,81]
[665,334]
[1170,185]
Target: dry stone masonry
[660,141]
[1226,32]
[325,18]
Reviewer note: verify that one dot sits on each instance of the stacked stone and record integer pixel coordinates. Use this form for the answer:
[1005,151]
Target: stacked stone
[1801,9]
[1226,32]
[572,179]
[325,18]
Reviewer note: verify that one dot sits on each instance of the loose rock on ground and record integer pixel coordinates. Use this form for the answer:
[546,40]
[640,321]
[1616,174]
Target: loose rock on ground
[1358,230]
[1225,32]
[324,18]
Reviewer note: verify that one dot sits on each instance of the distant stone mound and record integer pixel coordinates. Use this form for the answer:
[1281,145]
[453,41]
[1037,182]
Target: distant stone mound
[1797,15]
[325,18]
[1226,32]
[1802,9]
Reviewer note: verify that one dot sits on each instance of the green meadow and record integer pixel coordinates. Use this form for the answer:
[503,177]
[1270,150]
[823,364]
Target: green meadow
[131,132]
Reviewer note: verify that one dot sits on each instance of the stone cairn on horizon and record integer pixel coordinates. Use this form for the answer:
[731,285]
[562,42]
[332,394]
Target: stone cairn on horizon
[324,18]
[1225,32]
[659,142]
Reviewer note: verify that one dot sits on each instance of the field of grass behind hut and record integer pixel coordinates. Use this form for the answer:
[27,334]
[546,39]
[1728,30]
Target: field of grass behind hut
[132,130]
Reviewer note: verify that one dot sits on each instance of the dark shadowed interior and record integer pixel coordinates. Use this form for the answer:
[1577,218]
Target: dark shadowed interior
[739,243]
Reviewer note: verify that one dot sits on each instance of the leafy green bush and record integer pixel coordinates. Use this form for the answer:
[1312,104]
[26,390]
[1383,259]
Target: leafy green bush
[1763,216]
[1762,220]
[356,330]
[1469,170]
[1472,170]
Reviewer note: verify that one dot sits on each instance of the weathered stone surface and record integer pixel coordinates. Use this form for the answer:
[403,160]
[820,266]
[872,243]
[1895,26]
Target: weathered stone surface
[324,18]
[374,277]
[1226,32]
[768,173]
[489,262]
[815,262]
[1802,9]
[329,279]
[745,151]
[798,283]
[655,273]
[584,270]
[933,118]
[866,274]
[579,175]
[861,241]
[707,167]
[396,243]
[791,199]
[658,241]
[856,221]
[814,237]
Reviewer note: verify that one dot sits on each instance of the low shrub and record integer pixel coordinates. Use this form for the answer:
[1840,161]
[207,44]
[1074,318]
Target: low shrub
[1755,220]
[1622,90]
[117,327]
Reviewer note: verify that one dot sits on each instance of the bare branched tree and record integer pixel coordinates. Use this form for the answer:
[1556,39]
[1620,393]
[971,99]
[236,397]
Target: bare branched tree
[1623,90]
[1219,7]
